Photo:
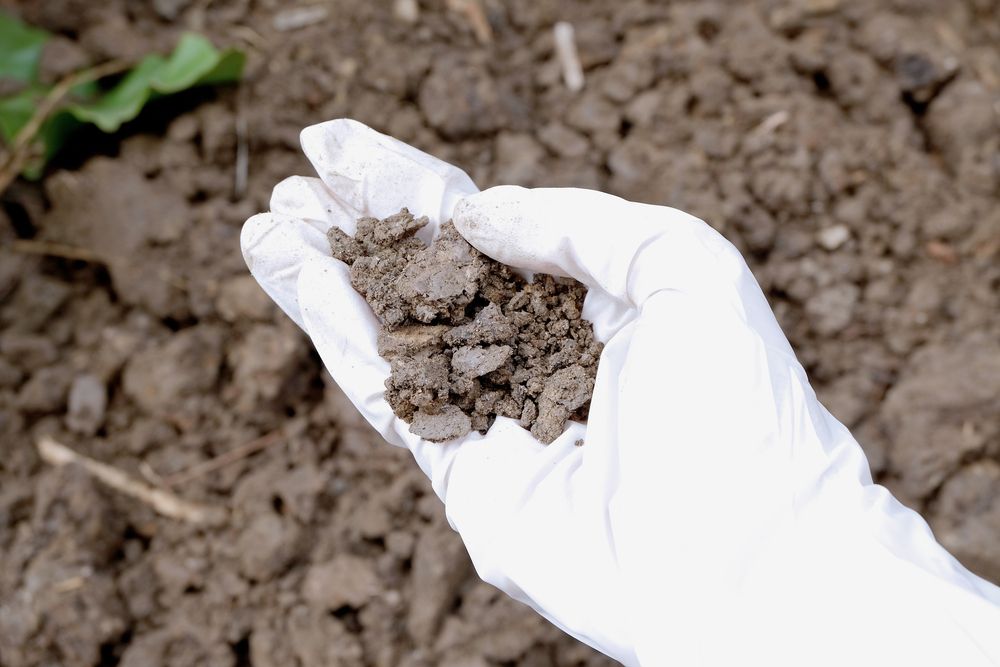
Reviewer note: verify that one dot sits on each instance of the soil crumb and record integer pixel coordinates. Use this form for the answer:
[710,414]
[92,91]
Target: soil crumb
[467,338]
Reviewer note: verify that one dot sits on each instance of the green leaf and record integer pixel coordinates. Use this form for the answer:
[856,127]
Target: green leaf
[194,62]
[16,111]
[20,49]
[123,102]
[228,69]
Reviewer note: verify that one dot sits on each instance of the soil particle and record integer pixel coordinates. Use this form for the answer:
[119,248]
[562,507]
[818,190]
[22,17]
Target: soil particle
[268,546]
[832,309]
[121,216]
[27,352]
[170,9]
[60,58]
[165,375]
[45,391]
[344,581]
[448,423]
[241,298]
[939,412]
[488,326]
[263,363]
[967,517]
[468,339]
[38,297]
[477,110]
[475,362]
[565,392]
[440,566]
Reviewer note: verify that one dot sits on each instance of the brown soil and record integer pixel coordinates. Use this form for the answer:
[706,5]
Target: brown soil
[468,339]
[848,148]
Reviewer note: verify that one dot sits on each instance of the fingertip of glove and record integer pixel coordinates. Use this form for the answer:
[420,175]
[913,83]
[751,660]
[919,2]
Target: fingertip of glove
[320,132]
[254,229]
[478,215]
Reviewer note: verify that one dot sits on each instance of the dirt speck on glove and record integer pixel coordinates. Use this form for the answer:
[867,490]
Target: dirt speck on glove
[466,337]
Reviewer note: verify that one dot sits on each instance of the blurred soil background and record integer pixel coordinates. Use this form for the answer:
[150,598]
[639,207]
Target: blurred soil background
[851,150]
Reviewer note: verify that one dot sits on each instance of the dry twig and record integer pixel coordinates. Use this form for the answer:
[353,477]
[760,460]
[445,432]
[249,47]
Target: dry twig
[242,150]
[161,500]
[222,460]
[569,60]
[33,247]
[474,13]
[299,17]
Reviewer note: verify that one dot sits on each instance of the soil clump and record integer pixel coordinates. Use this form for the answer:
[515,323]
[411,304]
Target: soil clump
[467,338]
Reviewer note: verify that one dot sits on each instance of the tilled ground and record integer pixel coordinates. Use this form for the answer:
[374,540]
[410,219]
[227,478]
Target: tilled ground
[850,149]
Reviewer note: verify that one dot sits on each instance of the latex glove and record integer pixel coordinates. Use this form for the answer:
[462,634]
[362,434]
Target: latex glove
[717,514]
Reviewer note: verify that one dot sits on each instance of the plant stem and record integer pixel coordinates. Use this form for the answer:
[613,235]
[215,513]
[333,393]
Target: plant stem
[21,149]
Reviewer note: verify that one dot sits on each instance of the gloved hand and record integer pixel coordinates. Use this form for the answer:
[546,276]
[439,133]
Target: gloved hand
[717,513]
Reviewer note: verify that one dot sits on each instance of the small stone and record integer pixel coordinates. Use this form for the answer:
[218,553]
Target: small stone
[833,237]
[88,400]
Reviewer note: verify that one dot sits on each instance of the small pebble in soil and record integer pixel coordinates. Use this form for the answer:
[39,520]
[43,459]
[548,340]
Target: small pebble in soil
[467,338]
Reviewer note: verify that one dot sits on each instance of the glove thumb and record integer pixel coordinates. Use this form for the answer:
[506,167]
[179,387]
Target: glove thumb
[626,249]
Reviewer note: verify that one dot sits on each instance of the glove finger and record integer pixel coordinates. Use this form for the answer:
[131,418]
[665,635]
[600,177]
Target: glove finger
[506,494]
[627,249]
[277,244]
[275,247]
[378,175]
[362,172]
[308,198]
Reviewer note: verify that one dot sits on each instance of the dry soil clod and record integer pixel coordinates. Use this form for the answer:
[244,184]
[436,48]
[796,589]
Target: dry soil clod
[466,337]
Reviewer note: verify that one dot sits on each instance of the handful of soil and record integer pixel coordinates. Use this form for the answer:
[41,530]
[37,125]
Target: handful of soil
[467,338]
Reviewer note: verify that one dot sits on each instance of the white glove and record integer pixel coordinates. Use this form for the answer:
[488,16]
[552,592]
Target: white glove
[717,513]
